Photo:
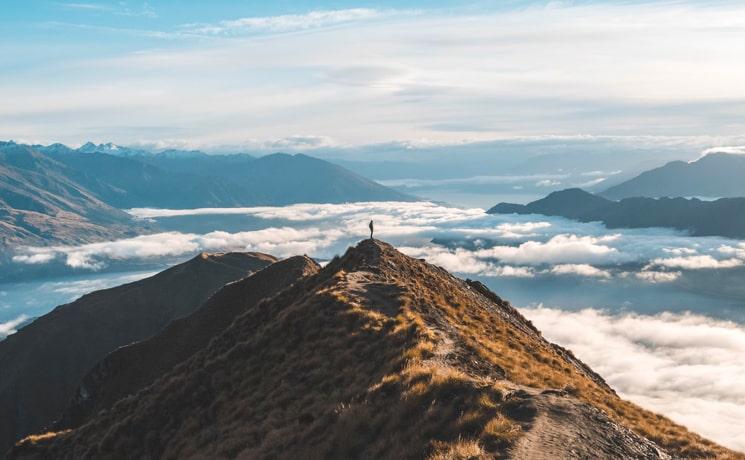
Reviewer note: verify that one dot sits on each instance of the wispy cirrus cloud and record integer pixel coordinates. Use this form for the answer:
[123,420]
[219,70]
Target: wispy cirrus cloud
[83,6]
[292,22]
[119,8]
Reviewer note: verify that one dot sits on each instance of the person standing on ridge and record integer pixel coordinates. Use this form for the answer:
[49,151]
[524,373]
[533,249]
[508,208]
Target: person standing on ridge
[371,229]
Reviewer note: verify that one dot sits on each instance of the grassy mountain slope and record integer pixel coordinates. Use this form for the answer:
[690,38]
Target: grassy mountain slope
[131,368]
[42,364]
[377,356]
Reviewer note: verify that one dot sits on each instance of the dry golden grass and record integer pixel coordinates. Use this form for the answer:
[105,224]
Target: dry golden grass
[459,450]
[35,438]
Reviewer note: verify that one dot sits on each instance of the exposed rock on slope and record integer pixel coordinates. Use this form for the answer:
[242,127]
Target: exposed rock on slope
[42,364]
[376,356]
[131,368]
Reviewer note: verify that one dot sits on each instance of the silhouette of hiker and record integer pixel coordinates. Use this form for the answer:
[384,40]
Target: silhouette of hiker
[371,229]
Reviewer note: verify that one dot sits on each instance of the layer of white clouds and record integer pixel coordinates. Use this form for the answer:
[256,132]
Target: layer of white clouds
[475,180]
[520,229]
[580,270]
[653,276]
[466,241]
[560,249]
[74,289]
[291,22]
[696,262]
[9,327]
[685,366]
[285,241]
[737,250]
[733,149]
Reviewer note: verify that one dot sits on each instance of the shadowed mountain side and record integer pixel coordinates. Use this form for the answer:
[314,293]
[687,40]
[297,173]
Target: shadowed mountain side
[723,217]
[42,364]
[131,368]
[714,175]
[41,204]
[218,180]
[280,179]
[376,356]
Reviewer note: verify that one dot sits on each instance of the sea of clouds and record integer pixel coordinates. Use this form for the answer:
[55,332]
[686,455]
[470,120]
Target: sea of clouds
[466,241]
[685,366]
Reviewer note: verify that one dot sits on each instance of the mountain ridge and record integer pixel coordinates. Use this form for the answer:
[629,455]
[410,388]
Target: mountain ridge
[715,175]
[377,355]
[723,217]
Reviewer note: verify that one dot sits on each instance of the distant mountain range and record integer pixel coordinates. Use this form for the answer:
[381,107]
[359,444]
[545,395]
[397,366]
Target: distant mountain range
[723,217]
[716,175]
[55,194]
[375,355]
[41,202]
[43,363]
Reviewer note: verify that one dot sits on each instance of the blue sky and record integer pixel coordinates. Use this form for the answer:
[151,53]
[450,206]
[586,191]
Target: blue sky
[300,74]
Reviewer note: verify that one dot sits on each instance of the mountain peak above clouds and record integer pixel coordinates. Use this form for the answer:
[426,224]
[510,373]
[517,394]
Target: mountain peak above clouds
[384,356]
